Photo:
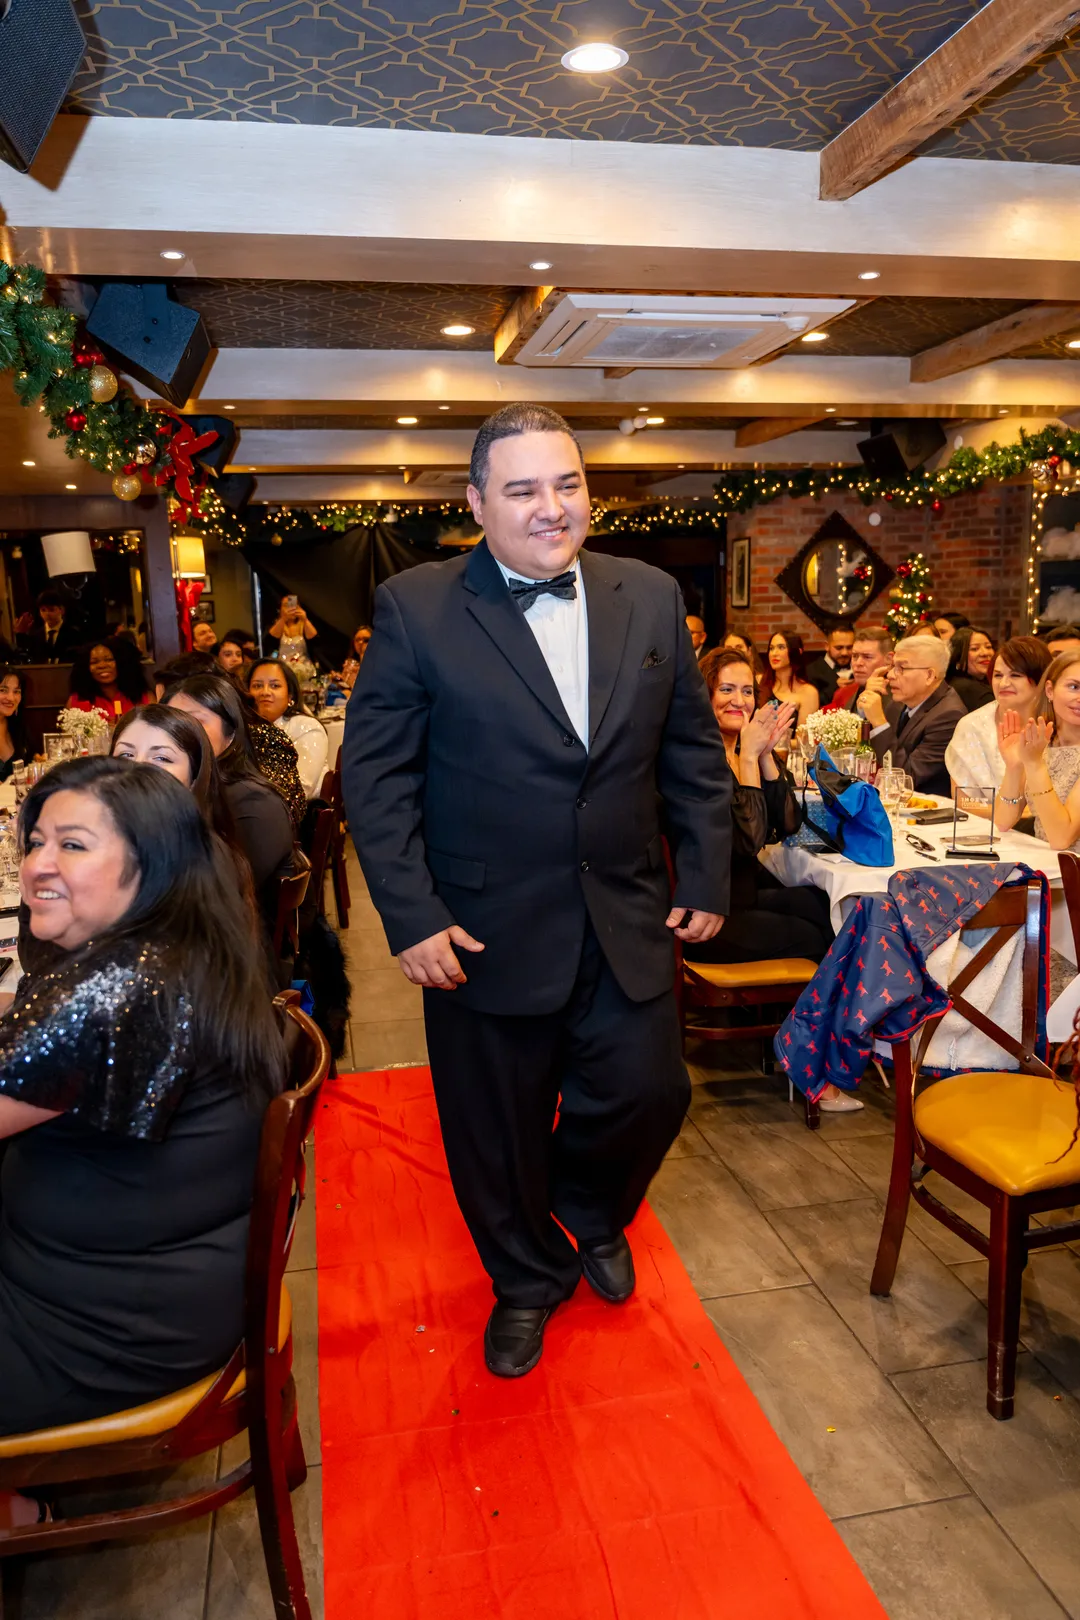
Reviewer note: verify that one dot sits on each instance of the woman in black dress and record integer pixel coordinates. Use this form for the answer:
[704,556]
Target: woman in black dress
[14,742]
[134,1072]
[971,658]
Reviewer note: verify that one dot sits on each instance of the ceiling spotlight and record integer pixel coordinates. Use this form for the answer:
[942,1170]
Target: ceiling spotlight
[407,421]
[814,337]
[458,329]
[830,410]
[848,421]
[869,275]
[1074,343]
[172,253]
[71,486]
[540,264]
[29,463]
[681,465]
[228,407]
[596,58]
[654,421]
[1004,411]
[444,407]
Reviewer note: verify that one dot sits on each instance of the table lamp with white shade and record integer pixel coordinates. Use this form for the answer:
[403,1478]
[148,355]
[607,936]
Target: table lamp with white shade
[68,552]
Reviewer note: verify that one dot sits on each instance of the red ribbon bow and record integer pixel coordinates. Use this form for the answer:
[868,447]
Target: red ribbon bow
[178,465]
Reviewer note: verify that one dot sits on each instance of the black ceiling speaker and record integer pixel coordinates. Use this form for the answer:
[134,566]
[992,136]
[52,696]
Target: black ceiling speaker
[150,336]
[41,49]
[216,456]
[900,447]
[235,489]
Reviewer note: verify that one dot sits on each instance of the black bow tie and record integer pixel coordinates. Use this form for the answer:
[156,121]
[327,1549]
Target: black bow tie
[527,591]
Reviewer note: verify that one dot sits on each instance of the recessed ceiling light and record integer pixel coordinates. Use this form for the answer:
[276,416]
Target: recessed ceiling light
[540,264]
[1074,343]
[172,253]
[830,410]
[847,421]
[71,486]
[29,463]
[407,421]
[654,421]
[814,337]
[1004,411]
[444,407]
[869,275]
[228,407]
[458,329]
[682,464]
[598,57]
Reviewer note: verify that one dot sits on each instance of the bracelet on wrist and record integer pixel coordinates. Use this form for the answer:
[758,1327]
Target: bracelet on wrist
[1003,798]
[1038,793]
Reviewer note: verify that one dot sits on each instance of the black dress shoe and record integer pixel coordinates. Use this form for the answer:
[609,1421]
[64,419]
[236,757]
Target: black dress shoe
[609,1267]
[514,1339]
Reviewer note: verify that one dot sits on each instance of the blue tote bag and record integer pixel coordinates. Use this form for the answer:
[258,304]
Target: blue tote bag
[852,819]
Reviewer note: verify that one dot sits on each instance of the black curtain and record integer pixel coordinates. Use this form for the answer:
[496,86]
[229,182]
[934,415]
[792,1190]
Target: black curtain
[335,576]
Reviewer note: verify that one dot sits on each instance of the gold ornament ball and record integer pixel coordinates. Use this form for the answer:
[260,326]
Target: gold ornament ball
[275,539]
[144,453]
[127,487]
[103,385]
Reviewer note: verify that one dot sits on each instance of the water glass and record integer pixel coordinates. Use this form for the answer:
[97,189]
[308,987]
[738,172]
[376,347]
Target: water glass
[19,779]
[845,760]
[797,764]
[865,765]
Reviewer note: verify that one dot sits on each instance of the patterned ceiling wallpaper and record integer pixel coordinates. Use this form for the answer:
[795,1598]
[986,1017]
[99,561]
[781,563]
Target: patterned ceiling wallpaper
[782,73]
[343,314]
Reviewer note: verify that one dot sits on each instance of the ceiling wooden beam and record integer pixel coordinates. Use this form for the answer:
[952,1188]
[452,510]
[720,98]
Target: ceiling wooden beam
[526,313]
[999,40]
[772,427]
[1019,330]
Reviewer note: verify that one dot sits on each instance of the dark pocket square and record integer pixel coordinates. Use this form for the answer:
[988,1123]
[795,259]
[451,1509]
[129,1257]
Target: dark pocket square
[652,659]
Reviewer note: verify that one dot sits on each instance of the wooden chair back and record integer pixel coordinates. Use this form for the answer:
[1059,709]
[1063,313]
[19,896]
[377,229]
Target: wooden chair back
[292,891]
[321,838]
[331,791]
[1070,882]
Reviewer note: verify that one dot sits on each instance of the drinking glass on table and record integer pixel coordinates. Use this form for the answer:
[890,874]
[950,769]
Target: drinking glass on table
[797,764]
[890,786]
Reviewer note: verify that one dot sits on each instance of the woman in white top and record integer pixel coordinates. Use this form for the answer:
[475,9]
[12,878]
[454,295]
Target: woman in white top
[1042,760]
[973,757]
[275,692]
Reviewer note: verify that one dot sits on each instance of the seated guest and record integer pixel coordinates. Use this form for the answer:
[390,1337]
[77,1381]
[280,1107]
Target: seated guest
[350,669]
[785,679]
[696,626]
[973,758]
[275,692]
[14,742]
[832,672]
[736,638]
[52,641]
[872,651]
[971,656]
[947,624]
[134,1073]
[203,638]
[1061,638]
[108,676]
[263,828]
[916,723]
[230,653]
[1042,760]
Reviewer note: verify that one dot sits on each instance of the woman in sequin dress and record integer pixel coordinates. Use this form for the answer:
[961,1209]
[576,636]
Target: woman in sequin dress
[134,1072]
[1042,760]
[275,692]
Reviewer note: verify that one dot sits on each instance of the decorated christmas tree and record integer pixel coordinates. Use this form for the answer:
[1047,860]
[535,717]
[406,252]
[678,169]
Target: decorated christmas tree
[912,595]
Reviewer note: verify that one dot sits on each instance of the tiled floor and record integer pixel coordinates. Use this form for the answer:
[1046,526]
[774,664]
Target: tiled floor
[880,1402]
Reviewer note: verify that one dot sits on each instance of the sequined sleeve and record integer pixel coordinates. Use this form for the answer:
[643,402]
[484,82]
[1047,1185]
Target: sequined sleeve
[103,1043]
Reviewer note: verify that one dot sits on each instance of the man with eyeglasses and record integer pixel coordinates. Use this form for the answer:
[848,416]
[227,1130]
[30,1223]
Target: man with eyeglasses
[916,722]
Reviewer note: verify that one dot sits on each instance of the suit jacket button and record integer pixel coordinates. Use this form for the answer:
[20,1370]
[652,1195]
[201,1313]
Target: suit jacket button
[568,741]
[584,866]
[579,804]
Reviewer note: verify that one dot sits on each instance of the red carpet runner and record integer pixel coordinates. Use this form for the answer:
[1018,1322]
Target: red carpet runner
[632,1476]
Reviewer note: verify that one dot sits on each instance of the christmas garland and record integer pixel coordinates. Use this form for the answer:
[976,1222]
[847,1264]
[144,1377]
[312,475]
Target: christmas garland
[149,449]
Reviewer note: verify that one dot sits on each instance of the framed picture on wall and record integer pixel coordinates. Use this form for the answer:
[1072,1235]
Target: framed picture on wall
[203,611]
[740,573]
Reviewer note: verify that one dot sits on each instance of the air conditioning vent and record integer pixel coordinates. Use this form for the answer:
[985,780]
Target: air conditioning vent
[598,329]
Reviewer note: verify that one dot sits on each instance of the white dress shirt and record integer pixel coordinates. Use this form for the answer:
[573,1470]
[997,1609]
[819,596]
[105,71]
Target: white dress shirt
[312,748]
[561,629]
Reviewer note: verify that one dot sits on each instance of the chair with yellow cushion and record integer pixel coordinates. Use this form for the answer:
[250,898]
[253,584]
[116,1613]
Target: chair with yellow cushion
[253,1392]
[1009,1138]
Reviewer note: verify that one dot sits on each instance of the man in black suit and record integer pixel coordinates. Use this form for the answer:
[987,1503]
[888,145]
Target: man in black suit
[54,642]
[832,671]
[916,724]
[527,724]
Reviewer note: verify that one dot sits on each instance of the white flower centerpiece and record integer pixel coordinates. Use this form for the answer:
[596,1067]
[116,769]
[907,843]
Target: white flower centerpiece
[88,727]
[834,728]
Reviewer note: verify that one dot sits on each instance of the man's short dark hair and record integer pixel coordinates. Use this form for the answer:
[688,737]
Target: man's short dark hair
[49,598]
[508,423]
[1060,632]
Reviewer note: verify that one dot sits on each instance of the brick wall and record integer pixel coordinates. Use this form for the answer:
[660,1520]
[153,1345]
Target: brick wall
[976,549]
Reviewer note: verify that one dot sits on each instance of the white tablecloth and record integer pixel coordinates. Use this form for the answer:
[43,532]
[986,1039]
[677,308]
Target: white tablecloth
[334,721]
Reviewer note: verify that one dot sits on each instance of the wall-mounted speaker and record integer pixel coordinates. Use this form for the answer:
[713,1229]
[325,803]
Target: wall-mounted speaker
[149,335]
[41,49]
[235,489]
[902,446]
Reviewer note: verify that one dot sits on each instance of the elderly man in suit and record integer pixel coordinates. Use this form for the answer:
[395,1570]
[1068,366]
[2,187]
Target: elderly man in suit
[523,720]
[916,723]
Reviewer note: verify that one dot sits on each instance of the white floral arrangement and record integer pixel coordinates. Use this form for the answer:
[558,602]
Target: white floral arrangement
[83,724]
[834,728]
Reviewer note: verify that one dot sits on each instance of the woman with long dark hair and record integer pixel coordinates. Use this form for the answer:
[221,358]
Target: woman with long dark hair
[275,692]
[14,742]
[784,680]
[133,1077]
[108,676]
[263,828]
[971,658]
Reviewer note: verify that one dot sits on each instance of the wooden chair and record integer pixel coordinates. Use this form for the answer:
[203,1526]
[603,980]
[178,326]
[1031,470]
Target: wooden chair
[1070,882]
[331,792]
[1006,1137]
[253,1392]
[292,892]
[778,981]
[321,836]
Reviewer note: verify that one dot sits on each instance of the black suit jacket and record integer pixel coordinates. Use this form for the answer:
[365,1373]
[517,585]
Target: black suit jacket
[38,651]
[921,750]
[820,673]
[471,800]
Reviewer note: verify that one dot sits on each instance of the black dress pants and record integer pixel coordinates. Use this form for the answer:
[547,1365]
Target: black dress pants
[609,1067]
[782,922]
